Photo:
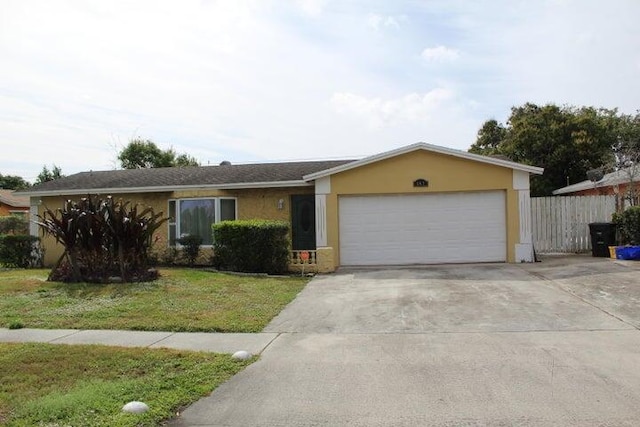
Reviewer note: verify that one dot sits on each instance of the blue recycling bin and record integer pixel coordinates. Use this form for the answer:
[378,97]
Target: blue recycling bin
[628,252]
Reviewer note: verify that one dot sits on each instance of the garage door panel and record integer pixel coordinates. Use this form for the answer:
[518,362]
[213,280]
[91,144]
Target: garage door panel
[410,229]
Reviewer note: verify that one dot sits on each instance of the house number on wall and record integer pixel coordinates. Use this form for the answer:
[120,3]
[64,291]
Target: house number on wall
[420,183]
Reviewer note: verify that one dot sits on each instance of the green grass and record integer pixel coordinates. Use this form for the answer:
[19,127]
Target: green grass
[181,300]
[62,385]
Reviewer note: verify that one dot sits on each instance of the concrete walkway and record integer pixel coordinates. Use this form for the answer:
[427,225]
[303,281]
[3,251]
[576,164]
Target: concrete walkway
[213,342]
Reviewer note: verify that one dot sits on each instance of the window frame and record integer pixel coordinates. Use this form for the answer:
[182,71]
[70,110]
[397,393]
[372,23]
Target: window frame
[175,221]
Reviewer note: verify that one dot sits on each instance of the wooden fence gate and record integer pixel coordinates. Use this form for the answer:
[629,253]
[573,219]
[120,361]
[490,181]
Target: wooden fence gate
[561,223]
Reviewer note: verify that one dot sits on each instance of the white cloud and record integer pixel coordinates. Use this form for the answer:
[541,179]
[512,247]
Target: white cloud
[577,53]
[377,22]
[380,112]
[312,8]
[440,54]
[251,80]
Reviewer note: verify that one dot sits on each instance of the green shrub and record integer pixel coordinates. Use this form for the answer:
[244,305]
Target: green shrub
[169,256]
[19,250]
[628,225]
[253,246]
[15,324]
[191,247]
[14,224]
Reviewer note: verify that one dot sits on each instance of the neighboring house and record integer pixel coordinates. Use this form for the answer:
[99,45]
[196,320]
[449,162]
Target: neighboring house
[614,183]
[419,204]
[11,203]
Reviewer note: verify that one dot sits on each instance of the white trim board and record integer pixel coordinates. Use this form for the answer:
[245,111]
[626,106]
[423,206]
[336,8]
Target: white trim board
[426,147]
[170,188]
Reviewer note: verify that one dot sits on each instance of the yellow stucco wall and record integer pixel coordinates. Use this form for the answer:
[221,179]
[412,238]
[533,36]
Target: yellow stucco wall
[445,174]
[251,204]
[263,203]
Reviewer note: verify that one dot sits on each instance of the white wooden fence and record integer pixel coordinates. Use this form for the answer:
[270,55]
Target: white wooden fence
[561,223]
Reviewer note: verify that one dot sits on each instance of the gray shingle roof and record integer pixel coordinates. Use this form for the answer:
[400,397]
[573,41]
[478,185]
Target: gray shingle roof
[8,197]
[127,179]
[622,176]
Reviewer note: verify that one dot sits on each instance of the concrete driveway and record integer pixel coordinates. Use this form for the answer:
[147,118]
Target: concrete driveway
[453,298]
[548,344]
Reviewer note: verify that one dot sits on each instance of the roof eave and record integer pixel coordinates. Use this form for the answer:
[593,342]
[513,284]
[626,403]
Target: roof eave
[608,181]
[561,191]
[12,203]
[170,188]
[427,147]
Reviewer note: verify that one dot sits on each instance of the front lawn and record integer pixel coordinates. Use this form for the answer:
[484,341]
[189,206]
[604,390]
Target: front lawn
[63,385]
[181,300]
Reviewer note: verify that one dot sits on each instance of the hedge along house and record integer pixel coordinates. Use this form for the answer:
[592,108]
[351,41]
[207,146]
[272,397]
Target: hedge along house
[419,204]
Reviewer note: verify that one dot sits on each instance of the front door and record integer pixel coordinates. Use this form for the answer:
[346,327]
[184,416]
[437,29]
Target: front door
[303,222]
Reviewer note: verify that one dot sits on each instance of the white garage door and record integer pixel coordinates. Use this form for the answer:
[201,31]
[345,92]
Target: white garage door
[423,229]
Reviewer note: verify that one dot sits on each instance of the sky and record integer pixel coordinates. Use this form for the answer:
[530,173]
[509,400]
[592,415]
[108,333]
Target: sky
[275,80]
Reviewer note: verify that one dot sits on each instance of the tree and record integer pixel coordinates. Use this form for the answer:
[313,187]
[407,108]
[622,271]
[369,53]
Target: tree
[140,154]
[566,141]
[627,162]
[490,136]
[13,182]
[49,175]
[186,160]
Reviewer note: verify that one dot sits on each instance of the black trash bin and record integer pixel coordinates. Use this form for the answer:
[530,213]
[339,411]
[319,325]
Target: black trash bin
[603,235]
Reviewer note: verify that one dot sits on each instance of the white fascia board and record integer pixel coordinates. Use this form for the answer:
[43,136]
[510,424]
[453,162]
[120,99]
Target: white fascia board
[170,188]
[586,185]
[323,185]
[574,188]
[521,180]
[426,147]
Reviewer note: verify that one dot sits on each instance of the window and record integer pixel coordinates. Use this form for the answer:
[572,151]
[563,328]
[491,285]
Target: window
[227,209]
[195,216]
